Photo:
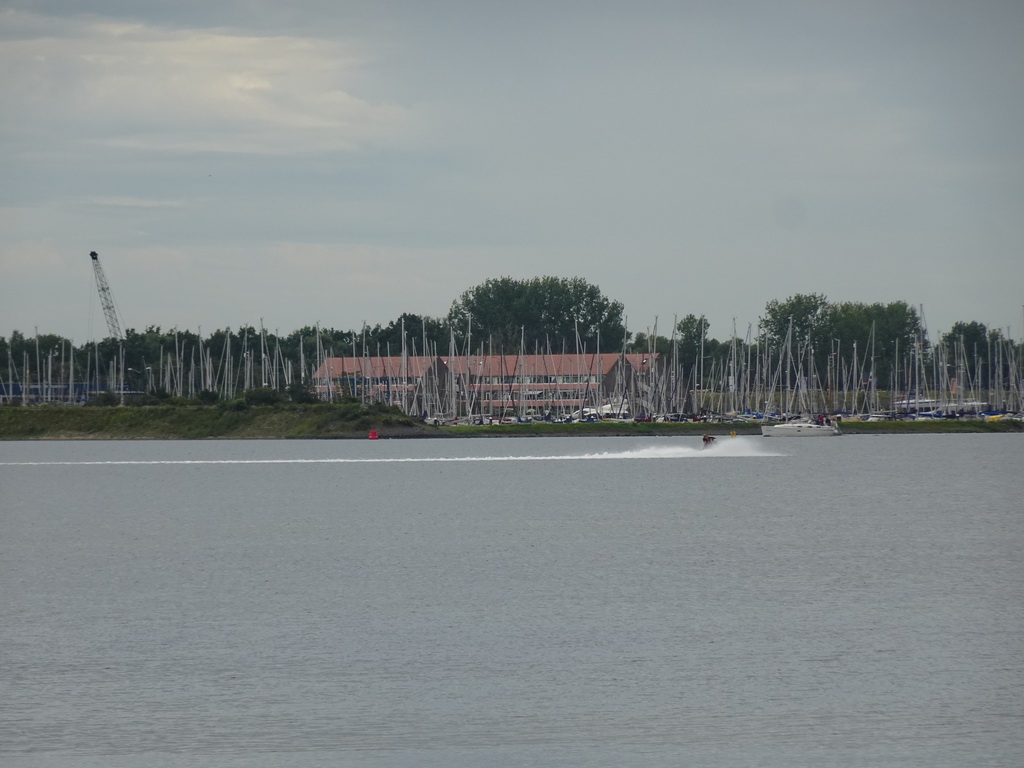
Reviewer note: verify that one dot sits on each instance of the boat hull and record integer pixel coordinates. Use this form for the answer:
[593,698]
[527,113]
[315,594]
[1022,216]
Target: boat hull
[800,429]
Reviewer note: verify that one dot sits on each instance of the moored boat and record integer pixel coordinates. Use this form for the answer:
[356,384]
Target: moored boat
[802,428]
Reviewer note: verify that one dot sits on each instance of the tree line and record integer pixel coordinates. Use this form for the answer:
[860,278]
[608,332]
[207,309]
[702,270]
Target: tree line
[547,315]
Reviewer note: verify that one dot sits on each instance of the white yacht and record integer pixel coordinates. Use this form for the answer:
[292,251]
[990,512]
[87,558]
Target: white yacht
[802,428]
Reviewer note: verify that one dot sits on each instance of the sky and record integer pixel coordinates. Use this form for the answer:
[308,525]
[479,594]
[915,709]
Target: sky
[341,163]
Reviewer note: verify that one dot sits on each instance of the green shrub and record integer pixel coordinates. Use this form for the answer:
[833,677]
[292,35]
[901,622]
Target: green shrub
[262,396]
[104,399]
[143,400]
[208,397]
[302,393]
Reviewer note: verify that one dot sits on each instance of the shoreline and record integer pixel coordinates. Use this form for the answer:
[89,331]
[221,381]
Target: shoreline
[326,422]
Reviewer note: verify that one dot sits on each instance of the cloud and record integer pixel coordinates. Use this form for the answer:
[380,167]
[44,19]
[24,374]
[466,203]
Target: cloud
[156,88]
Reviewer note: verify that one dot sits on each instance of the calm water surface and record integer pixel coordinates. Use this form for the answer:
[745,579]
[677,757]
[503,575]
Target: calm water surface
[513,602]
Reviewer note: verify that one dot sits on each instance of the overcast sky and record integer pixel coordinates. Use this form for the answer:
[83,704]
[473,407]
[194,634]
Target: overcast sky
[342,161]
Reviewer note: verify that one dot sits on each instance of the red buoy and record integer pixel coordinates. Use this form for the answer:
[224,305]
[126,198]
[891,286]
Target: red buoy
[373,435]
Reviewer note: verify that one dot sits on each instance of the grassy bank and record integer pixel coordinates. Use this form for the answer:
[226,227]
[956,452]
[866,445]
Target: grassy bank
[354,421]
[204,422]
[929,427]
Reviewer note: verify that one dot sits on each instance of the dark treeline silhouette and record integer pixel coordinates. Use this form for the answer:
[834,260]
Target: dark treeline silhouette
[870,344]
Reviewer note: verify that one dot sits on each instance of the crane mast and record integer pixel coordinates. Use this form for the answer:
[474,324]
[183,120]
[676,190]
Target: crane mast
[106,298]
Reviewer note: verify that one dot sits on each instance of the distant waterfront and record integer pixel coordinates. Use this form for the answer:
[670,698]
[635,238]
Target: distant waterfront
[339,422]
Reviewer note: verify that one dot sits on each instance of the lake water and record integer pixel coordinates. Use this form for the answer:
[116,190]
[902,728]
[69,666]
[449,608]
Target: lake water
[513,602]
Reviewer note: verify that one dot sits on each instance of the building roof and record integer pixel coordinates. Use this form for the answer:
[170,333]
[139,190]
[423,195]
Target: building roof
[543,365]
[374,367]
[501,366]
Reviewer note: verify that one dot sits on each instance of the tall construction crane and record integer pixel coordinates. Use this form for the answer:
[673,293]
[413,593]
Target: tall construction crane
[106,298]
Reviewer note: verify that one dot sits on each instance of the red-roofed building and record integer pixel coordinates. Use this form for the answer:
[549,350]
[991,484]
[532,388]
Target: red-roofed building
[494,386]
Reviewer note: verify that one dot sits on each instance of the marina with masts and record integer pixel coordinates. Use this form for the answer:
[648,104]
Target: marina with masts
[748,380]
[473,379]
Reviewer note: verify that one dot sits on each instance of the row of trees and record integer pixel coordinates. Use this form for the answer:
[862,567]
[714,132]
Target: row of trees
[880,338]
[507,316]
[812,329]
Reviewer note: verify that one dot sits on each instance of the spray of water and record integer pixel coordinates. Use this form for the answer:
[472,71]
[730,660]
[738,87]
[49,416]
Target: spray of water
[723,448]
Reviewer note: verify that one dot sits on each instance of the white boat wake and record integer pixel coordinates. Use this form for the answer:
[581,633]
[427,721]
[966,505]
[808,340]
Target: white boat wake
[724,448]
